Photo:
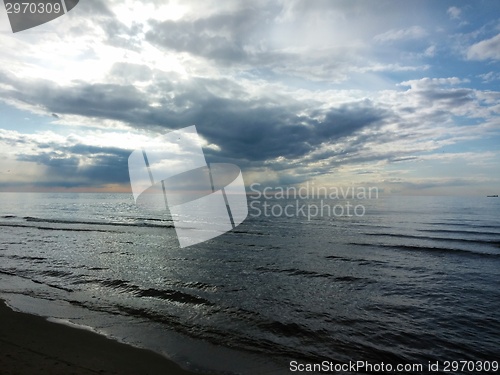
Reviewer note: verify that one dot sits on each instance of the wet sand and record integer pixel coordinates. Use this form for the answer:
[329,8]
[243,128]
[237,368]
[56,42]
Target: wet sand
[32,345]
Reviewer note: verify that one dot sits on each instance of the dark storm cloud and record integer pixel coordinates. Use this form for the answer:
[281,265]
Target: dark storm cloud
[52,159]
[95,100]
[259,134]
[81,149]
[248,130]
[449,97]
[102,165]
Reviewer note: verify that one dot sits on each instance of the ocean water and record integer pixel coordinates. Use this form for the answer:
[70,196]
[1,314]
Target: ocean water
[413,280]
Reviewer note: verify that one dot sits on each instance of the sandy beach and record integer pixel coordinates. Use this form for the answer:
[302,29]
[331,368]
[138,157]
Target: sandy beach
[32,345]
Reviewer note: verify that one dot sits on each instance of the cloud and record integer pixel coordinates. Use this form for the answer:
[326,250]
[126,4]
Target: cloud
[131,72]
[430,51]
[80,164]
[65,161]
[102,169]
[485,49]
[227,37]
[414,32]
[437,96]
[490,77]
[433,83]
[296,133]
[319,41]
[102,100]
[454,12]
[242,127]
[261,134]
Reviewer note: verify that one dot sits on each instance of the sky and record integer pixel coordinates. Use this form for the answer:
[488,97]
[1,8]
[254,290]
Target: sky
[401,95]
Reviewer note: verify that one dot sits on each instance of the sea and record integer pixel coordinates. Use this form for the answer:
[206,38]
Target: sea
[405,280]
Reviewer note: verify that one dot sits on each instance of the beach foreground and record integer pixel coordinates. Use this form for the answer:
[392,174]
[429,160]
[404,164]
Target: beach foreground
[32,345]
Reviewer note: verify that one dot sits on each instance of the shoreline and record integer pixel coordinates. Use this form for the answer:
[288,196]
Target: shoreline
[30,344]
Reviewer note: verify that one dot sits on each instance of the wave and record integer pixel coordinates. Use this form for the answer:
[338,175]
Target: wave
[31,275]
[468,240]
[137,224]
[461,224]
[53,228]
[174,296]
[436,250]
[164,294]
[249,232]
[312,274]
[30,219]
[360,261]
[53,273]
[19,257]
[196,285]
[294,330]
[268,344]
[459,232]
[149,219]
[118,285]
[53,286]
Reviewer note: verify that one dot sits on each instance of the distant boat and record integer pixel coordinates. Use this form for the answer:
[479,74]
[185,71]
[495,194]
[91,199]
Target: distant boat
[492,196]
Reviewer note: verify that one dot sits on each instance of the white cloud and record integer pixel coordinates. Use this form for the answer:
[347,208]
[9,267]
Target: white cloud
[414,32]
[490,77]
[430,51]
[454,12]
[485,49]
[428,83]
